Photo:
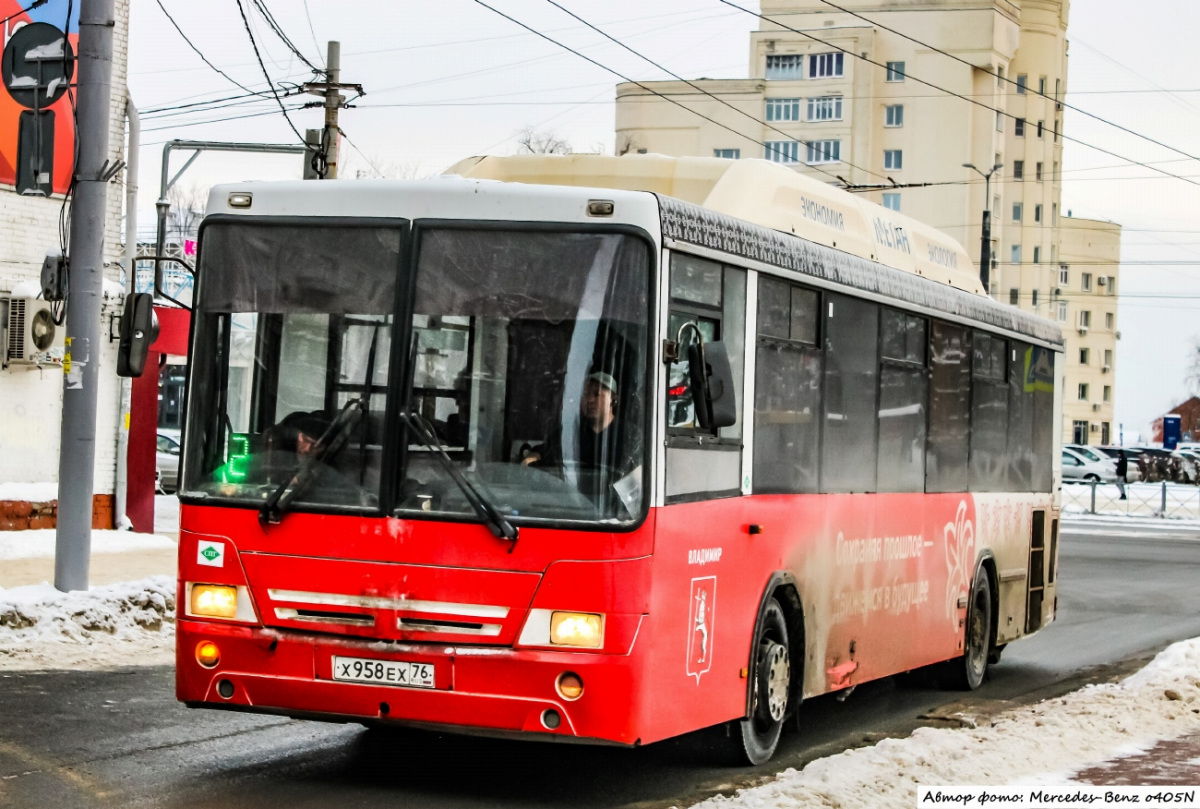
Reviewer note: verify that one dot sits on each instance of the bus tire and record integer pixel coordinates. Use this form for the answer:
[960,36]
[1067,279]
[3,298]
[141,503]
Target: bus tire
[966,673]
[753,739]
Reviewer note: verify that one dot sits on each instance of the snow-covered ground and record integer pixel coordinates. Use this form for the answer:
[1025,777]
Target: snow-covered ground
[1041,744]
[40,543]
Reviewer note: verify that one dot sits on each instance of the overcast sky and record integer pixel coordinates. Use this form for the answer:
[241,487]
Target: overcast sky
[450,79]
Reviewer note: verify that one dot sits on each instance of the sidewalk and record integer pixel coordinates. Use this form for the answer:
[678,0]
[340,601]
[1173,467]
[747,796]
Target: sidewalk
[1175,762]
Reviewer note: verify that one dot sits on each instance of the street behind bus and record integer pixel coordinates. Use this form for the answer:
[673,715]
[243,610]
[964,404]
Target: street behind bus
[119,738]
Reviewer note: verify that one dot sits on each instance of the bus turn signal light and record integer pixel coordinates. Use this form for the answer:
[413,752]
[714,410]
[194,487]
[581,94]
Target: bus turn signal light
[207,654]
[570,685]
[584,629]
[214,601]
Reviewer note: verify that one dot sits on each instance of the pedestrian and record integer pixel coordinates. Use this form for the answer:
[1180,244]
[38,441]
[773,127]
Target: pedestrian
[1122,471]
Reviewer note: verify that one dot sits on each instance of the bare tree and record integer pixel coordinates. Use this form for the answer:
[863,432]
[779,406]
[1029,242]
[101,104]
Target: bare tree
[627,143]
[531,141]
[1193,371]
[364,167]
[187,211]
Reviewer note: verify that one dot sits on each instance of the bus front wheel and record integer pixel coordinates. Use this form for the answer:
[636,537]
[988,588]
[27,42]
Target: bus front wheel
[753,740]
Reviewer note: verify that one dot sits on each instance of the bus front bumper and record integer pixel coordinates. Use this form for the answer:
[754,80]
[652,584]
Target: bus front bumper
[475,689]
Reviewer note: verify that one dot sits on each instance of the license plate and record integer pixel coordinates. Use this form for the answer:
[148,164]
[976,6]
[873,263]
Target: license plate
[383,672]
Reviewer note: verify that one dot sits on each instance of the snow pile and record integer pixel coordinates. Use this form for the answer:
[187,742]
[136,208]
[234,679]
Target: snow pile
[131,623]
[40,543]
[1038,745]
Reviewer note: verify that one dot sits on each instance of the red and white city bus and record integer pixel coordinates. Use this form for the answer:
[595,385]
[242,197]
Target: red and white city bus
[611,449]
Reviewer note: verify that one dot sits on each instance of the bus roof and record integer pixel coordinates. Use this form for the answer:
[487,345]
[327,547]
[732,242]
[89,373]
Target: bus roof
[756,191]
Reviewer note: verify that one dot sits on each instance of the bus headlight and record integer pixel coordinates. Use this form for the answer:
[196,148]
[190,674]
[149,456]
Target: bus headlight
[214,601]
[585,629]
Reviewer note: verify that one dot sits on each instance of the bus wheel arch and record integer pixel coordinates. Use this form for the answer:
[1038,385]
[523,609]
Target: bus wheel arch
[967,671]
[776,664]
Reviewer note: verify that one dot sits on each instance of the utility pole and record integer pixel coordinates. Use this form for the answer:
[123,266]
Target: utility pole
[331,89]
[985,246]
[93,171]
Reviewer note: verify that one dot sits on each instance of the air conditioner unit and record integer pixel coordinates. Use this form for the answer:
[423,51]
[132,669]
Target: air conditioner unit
[1083,329]
[1095,428]
[1096,406]
[1106,369]
[1102,280]
[31,337]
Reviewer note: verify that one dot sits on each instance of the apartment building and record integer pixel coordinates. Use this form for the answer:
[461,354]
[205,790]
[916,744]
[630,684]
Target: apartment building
[892,98]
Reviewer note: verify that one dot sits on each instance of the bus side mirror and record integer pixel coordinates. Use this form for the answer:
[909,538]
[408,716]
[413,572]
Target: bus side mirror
[712,385]
[139,330]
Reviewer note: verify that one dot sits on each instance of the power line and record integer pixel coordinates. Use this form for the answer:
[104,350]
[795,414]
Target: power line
[311,30]
[361,153]
[697,87]
[25,10]
[948,92]
[191,45]
[635,82]
[1000,77]
[267,76]
[271,22]
[181,125]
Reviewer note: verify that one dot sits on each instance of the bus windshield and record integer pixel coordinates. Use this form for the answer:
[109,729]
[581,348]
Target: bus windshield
[520,357]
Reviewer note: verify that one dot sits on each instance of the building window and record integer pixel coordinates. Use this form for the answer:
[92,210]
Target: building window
[825,65]
[1016,254]
[1042,86]
[1000,76]
[1054,213]
[1062,311]
[825,108]
[892,202]
[1037,169]
[1014,297]
[783,151]
[999,121]
[895,71]
[1085,281]
[893,115]
[1085,319]
[1022,82]
[1108,393]
[1084,356]
[1018,208]
[823,151]
[1064,276]
[728,154]
[1083,391]
[1041,127]
[1109,322]
[783,109]
[1037,213]
[1035,298]
[1019,127]
[1080,430]
[1037,254]
[1112,285]
[784,66]
[1108,358]
[893,159]
[1018,169]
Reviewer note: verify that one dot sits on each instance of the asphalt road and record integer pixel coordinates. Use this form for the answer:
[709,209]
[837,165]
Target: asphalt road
[119,738]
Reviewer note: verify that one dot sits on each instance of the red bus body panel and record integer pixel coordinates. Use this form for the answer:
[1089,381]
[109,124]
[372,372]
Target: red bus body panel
[882,578]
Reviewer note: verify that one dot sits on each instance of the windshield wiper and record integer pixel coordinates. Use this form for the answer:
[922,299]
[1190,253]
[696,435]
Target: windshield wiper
[500,527]
[306,471]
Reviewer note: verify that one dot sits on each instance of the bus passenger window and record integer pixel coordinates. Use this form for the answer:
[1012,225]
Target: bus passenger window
[903,390]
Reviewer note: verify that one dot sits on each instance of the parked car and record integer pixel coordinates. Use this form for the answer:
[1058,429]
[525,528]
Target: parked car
[1189,465]
[168,460]
[1133,471]
[1158,464]
[1092,454]
[1078,469]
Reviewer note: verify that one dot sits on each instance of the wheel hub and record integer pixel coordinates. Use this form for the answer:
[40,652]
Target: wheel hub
[777,677]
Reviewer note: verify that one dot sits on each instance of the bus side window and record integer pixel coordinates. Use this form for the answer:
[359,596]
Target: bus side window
[713,297]
[948,446]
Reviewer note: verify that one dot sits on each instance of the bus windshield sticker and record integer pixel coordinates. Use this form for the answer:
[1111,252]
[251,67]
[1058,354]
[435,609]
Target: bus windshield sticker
[700,626]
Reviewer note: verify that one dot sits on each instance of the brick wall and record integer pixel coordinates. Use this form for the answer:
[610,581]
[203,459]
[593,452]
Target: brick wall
[31,399]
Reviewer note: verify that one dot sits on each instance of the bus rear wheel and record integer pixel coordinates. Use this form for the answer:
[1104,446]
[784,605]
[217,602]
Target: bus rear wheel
[753,740]
[966,673]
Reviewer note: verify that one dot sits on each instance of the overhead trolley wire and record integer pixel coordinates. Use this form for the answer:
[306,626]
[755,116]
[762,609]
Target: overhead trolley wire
[279,32]
[968,99]
[25,10]
[1003,78]
[697,87]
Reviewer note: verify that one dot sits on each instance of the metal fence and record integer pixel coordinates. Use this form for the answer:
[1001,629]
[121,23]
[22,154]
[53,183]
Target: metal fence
[1168,500]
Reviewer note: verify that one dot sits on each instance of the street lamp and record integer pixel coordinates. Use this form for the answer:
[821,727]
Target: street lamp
[985,248]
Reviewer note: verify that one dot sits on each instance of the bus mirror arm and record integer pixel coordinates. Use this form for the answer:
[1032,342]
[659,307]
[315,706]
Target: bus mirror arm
[711,380]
